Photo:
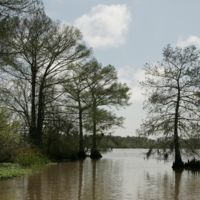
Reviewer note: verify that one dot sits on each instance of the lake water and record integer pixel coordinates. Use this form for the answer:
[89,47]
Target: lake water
[123,174]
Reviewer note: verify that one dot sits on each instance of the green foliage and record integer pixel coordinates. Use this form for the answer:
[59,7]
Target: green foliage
[104,87]
[9,136]
[59,145]
[12,170]
[30,158]
[105,120]
[172,88]
[38,55]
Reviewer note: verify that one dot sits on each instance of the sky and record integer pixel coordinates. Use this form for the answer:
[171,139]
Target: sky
[129,33]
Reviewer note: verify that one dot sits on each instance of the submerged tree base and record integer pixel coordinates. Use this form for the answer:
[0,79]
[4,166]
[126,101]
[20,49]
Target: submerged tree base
[178,165]
[193,165]
[95,154]
[81,155]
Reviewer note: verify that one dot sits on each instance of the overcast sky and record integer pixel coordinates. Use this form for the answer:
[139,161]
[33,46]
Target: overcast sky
[129,33]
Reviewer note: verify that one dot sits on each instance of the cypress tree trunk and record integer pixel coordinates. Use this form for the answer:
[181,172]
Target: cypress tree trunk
[32,131]
[94,142]
[81,153]
[95,154]
[178,163]
[40,118]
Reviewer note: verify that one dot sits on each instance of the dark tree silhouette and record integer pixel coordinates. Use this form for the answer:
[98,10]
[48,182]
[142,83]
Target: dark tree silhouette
[172,89]
[42,50]
[103,90]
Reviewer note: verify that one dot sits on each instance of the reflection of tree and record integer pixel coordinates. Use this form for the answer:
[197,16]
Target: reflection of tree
[157,185]
[80,180]
[93,179]
[13,188]
[161,186]
[35,187]
[87,180]
[100,180]
[55,182]
[178,175]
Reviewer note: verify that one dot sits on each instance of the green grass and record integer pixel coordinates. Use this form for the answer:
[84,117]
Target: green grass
[31,159]
[9,170]
[26,163]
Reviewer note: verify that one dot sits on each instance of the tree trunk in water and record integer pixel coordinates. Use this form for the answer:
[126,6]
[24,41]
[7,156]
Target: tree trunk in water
[95,154]
[94,142]
[178,163]
[81,153]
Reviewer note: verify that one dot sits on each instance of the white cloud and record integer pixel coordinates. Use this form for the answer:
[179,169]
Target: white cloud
[105,25]
[132,77]
[191,40]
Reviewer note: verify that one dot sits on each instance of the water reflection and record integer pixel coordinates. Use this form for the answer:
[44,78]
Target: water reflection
[178,175]
[120,175]
[80,180]
[93,179]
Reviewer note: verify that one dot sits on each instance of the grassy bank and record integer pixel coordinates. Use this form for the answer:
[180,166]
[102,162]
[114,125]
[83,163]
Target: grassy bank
[10,170]
[26,162]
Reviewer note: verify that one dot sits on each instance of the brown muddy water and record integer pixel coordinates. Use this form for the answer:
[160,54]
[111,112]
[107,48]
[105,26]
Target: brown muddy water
[123,174]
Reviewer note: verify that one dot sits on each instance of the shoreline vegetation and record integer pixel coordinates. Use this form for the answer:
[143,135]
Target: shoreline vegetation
[29,160]
[12,170]
[26,163]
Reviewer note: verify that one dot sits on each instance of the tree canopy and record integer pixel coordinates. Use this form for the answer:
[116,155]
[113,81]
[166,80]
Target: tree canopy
[48,78]
[172,88]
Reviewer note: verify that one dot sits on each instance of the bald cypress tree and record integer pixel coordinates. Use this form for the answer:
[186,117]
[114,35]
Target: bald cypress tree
[172,88]
[43,51]
[104,90]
